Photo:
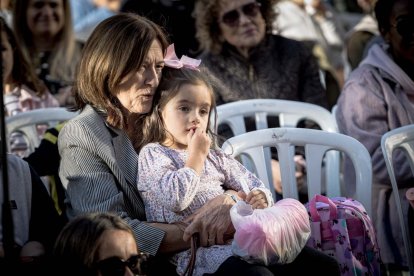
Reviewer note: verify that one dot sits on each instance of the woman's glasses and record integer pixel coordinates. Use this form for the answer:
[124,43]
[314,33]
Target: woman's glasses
[114,266]
[405,27]
[231,18]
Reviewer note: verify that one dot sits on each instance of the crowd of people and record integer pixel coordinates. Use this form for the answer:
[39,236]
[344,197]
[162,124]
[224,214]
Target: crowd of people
[139,171]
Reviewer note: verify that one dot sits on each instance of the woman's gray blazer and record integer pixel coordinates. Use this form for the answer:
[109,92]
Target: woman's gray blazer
[98,168]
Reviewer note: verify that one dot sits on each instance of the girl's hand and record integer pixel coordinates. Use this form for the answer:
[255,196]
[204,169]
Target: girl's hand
[257,199]
[198,149]
[198,142]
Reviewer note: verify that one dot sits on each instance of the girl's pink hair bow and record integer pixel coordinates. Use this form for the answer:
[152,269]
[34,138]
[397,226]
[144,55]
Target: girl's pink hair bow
[171,60]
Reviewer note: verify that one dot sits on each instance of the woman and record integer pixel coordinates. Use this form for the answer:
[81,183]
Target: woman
[23,91]
[36,222]
[19,78]
[44,30]
[98,244]
[249,62]
[378,97]
[98,162]
[252,63]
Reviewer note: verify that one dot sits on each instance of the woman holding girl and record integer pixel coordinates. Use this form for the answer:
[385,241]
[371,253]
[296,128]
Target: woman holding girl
[180,168]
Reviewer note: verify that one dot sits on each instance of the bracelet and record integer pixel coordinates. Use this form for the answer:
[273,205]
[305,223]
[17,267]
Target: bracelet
[232,197]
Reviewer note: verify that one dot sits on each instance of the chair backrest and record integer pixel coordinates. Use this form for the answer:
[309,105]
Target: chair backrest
[27,122]
[316,144]
[290,113]
[401,138]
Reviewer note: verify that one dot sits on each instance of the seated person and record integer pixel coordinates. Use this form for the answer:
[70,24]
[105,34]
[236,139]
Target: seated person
[98,244]
[377,97]
[36,222]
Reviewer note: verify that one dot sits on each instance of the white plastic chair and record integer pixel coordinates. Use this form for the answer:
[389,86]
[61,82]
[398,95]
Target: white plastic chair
[401,138]
[27,122]
[334,110]
[290,113]
[316,144]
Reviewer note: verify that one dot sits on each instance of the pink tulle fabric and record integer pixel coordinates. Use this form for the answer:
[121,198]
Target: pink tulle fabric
[273,235]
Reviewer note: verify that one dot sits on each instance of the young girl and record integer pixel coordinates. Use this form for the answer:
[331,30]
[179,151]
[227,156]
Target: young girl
[179,167]
[23,91]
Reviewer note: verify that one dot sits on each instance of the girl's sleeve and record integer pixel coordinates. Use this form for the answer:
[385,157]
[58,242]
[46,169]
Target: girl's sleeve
[162,181]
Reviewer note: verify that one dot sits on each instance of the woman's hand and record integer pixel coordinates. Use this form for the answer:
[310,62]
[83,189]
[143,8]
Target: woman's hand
[212,222]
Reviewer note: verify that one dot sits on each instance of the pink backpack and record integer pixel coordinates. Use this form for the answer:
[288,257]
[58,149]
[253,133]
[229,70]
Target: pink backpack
[341,228]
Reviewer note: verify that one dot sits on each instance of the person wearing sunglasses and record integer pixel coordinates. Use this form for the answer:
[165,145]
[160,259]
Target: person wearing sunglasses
[100,244]
[249,62]
[378,97]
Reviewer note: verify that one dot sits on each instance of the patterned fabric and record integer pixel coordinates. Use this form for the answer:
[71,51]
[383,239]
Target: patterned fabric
[23,99]
[98,168]
[278,68]
[341,228]
[171,192]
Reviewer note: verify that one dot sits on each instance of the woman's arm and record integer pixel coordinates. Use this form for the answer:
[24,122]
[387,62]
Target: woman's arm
[87,170]
[173,239]
[212,221]
[363,112]
[164,181]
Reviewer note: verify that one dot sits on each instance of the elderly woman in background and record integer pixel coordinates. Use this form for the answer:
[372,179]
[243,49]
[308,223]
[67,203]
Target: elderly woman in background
[377,97]
[250,63]
[45,32]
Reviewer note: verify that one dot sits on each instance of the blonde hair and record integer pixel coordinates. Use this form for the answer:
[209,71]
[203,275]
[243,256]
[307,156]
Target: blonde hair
[66,53]
[22,71]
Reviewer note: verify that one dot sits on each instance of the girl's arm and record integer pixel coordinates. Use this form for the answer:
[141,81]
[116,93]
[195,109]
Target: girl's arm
[163,181]
[239,178]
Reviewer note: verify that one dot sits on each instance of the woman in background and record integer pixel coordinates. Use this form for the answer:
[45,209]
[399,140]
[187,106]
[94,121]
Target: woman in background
[45,32]
[378,97]
[98,244]
[23,91]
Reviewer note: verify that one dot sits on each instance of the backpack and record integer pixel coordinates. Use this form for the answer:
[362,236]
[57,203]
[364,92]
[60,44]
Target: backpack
[341,228]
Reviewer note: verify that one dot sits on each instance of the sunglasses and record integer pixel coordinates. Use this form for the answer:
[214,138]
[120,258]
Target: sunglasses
[405,27]
[115,266]
[231,18]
